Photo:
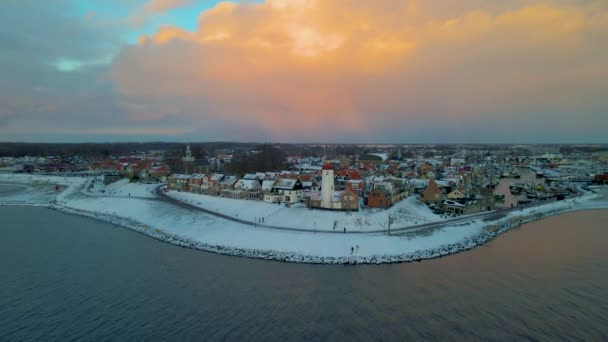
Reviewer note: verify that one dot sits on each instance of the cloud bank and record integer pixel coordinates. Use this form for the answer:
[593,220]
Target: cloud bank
[369,71]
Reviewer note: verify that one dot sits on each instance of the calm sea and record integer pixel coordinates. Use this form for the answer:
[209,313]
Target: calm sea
[66,277]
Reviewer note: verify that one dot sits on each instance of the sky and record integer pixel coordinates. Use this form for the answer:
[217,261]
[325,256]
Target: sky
[336,71]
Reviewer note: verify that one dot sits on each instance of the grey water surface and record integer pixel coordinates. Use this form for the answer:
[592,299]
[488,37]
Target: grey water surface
[65,277]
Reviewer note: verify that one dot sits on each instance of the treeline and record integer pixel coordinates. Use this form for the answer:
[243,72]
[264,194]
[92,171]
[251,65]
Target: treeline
[264,158]
[8,149]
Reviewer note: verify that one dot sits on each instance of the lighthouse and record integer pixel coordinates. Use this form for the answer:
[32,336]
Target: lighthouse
[327,186]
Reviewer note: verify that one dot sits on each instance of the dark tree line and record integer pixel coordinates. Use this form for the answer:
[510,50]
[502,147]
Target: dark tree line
[264,158]
[9,149]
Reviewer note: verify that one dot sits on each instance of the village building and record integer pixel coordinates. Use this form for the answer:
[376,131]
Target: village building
[356,185]
[344,175]
[290,190]
[227,183]
[460,207]
[432,194]
[485,196]
[188,160]
[330,199]
[456,194]
[195,182]
[178,182]
[379,198]
[202,166]
[211,185]
[247,189]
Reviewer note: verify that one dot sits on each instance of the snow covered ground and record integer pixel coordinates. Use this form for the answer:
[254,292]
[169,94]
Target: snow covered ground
[121,188]
[406,213]
[194,229]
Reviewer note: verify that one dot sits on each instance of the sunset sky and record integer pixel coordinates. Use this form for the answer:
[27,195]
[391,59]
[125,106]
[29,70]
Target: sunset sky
[388,71]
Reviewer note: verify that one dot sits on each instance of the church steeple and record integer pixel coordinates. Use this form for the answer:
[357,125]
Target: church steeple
[188,161]
[188,153]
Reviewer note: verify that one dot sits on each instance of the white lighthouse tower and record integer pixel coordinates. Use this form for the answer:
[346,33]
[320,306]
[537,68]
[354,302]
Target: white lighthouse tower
[327,186]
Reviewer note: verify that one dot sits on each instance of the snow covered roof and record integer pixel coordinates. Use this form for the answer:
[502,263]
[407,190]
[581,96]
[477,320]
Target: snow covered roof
[453,203]
[443,183]
[419,182]
[216,176]
[267,184]
[383,156]
[247,184]
[229,180]
[179,176]
[307,184]
[285,183]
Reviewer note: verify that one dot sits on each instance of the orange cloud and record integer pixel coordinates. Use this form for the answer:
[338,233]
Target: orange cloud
[159,6]
[312,68]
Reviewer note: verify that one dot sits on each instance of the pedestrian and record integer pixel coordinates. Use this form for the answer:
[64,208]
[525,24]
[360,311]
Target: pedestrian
[345,229]
[352,250]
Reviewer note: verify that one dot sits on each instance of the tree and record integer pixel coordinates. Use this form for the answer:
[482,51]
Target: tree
[268,158]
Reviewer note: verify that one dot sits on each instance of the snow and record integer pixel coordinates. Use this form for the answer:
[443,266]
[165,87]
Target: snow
[408,212]
[384,156]
[191,228]
[122,188]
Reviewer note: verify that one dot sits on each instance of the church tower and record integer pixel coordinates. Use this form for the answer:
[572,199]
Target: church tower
[327,186]
[188,161]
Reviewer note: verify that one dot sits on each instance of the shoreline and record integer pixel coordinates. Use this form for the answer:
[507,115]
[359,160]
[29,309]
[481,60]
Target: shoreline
[475,241]
[173,224]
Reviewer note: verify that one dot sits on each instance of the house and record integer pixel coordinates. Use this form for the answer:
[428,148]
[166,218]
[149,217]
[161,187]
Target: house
[485,197]
[248,184]
[159,172]
[423,169]
[601,179]
[202,166]
[461,207]
[195,182]
[252,176]
[290,189]
[457,194]
[432,193]
[211,183]
[379,198]
[177,182]
[267,185]
[356,185]
[227,183]
[247,188]
[308,182]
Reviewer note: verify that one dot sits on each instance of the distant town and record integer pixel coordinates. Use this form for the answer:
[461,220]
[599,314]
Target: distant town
[450,179]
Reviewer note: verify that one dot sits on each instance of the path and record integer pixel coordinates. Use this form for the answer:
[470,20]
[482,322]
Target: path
[393,231]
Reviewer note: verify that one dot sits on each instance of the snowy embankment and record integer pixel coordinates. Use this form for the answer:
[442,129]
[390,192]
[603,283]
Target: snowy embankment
[121,188]
[406,213]
[190,228]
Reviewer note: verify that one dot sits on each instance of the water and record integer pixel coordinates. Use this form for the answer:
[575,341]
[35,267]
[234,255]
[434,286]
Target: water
[66,277]
[527,176]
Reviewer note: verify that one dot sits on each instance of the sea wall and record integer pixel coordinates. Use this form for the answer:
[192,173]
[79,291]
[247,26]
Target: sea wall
[489,232]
